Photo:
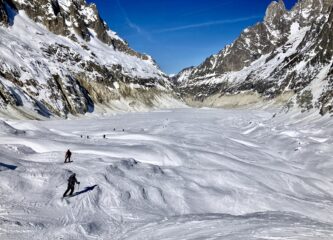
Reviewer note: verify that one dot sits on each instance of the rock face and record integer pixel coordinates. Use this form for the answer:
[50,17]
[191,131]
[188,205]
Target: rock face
[7,9]
[73,18]
[289,52]
[3,13]
[58,57]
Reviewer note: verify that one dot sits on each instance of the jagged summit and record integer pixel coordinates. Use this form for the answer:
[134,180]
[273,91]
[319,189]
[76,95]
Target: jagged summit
[288,54]
[275,12]
[73,18]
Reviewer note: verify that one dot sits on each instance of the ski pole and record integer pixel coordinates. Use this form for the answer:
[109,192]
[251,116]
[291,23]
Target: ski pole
[60,185]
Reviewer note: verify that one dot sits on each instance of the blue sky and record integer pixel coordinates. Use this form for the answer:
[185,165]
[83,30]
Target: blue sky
[181,33]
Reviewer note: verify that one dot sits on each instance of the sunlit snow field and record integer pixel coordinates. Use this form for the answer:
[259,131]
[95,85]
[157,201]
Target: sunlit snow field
[180,174]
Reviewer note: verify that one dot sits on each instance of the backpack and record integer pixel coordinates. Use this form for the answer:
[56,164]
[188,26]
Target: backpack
[71,180]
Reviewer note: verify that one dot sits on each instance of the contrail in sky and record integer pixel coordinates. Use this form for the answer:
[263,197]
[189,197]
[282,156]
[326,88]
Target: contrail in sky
[205,24]
[132,25]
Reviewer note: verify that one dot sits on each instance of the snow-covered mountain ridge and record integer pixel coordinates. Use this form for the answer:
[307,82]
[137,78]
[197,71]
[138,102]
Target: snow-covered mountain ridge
[58,57]
[289,54]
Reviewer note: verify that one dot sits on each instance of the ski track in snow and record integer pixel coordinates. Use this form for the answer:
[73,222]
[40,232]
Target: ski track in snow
[182,174]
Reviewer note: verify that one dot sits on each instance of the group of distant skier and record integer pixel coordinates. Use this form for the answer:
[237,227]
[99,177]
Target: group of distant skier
[72,179]
[104,136]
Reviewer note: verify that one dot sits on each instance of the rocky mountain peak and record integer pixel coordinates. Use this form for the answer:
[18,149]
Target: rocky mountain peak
[58,57]
[275,12]
[290,53]
[73,19]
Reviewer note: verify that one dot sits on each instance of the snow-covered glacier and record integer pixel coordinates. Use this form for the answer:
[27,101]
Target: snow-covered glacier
[173,174]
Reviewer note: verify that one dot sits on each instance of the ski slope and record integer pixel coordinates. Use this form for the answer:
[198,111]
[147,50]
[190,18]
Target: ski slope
[178,174]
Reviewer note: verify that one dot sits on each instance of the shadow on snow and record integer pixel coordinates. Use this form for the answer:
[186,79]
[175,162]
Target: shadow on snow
[7,166]
[87,189]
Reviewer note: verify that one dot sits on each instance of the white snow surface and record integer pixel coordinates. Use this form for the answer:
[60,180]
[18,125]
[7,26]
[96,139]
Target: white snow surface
[176,174]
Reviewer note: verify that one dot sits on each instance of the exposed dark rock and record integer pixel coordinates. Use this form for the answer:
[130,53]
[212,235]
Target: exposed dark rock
[64,77]
[7,12]
[286,52]
[78,17]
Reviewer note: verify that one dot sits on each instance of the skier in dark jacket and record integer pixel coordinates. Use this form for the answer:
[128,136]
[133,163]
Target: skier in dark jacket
[71,184]
[68,156]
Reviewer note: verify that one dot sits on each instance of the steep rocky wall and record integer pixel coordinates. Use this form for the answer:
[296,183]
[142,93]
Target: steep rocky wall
[288,51]
[3,13]
[59,58]
[7,9]
[73,18]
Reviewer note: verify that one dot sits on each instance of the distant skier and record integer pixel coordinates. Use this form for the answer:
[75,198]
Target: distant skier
[104,136]
[71,184]
[68,156]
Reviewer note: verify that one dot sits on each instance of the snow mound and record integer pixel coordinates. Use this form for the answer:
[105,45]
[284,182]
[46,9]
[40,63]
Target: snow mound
[5,129]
